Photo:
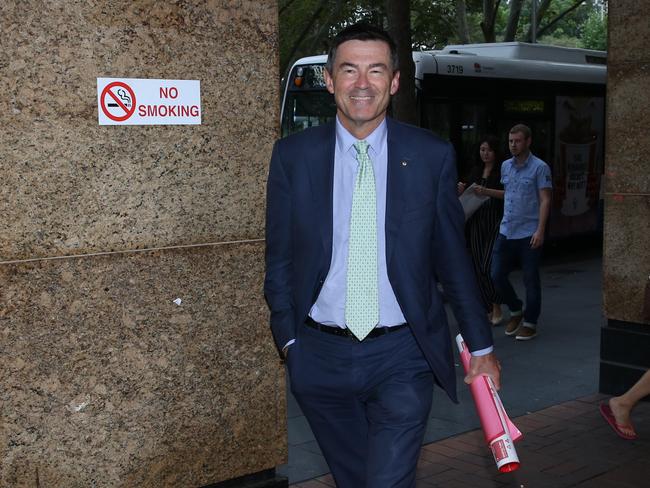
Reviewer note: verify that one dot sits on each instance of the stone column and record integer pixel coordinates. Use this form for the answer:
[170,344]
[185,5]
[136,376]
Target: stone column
[625,342]
[105,381]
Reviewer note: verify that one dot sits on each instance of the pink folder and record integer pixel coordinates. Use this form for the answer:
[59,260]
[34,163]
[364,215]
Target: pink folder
[500,432]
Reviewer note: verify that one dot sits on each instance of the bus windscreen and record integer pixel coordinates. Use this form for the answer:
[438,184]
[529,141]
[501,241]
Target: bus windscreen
[305,109]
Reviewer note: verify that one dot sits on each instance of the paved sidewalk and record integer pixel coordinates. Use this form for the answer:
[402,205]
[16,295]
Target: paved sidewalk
[566,445]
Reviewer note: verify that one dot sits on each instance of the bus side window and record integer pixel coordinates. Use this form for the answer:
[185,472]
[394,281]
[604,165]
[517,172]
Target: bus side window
[436,116]
[473,125]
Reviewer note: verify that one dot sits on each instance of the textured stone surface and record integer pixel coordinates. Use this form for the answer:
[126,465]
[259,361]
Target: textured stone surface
[627,164]
[628,144]
[71,186]
[107,382]
[628,31]
[626,260]
[104,381]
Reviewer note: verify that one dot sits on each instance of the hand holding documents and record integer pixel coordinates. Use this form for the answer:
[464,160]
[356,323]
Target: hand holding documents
[470,201]
[500,432]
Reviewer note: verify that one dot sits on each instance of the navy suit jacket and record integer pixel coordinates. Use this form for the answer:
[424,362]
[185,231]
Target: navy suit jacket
[424,239]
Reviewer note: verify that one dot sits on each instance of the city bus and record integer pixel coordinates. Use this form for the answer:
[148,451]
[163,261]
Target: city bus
[465,91]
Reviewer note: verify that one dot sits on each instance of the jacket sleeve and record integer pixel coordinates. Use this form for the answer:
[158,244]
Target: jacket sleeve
[278,255]
[453,265]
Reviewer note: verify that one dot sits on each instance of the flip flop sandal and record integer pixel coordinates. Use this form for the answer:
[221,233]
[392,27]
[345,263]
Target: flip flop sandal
[608,415]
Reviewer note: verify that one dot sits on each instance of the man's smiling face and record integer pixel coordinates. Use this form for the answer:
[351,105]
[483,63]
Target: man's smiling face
[362,81]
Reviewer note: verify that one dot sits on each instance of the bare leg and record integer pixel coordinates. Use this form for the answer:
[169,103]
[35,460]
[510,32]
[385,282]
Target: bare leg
[622,405]
[496,316]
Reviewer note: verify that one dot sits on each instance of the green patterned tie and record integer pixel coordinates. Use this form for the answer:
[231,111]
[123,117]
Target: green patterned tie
[362,297]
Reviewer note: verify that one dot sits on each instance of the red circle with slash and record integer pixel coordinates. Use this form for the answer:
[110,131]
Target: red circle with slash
[116,102]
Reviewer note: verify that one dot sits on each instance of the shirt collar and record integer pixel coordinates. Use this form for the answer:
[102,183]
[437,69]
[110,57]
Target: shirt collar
[524,164]
[376,139]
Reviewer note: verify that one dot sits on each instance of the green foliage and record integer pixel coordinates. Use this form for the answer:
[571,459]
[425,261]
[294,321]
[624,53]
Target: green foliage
[594,32]
[560,39]
[433,23]
[570,30]
[307,25]
[475,17]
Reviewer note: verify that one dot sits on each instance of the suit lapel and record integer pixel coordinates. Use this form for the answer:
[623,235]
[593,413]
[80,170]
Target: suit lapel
[321,179]
[396,183]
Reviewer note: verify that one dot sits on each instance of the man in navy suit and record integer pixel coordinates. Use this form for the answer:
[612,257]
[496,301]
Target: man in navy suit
[355,307]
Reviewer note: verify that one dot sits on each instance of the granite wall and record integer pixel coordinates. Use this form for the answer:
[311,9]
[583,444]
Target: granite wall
[626,337]
[104,380]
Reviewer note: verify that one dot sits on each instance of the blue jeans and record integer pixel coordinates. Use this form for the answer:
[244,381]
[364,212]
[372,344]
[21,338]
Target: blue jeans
[505,256]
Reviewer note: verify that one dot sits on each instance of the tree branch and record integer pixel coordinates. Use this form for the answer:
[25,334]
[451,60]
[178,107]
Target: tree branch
[303,35]
[493,20]
[490,10]
[327,23]
[513,20]
[548,26]
[461,20]
[285,6]
[541,11]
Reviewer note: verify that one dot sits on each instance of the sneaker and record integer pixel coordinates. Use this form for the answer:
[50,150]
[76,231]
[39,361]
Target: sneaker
[526,333]
[513,324]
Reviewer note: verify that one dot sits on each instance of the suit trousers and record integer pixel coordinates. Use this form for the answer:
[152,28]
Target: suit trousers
[367,404]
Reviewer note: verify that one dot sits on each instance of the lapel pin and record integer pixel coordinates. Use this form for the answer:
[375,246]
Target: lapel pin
[404,163]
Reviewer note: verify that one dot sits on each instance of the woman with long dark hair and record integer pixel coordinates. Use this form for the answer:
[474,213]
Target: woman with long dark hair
[482,228]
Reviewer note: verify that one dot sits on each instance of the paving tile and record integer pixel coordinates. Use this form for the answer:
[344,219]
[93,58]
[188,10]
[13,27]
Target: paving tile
[584,474]
[536,462]
[580,406]
[486,461]
[423,484]
[437,452]
[532,423]
[303,464]
[427,470]
[328,480]
[311,484]
[595,398]
[457,444]
[534,443]
[559,454]
[465,467]
[559,412]
[599,482]
[311,446]
[550,430]
[564,467]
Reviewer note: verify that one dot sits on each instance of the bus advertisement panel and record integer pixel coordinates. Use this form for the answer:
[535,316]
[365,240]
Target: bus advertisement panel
[578,164]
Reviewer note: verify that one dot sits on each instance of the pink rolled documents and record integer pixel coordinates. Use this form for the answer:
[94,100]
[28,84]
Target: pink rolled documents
[500,432]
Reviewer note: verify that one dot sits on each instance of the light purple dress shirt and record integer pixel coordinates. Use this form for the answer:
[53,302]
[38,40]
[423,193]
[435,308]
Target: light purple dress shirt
[329,308]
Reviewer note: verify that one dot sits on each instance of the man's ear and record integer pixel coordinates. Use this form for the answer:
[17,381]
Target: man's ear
[394,84]
[329,81]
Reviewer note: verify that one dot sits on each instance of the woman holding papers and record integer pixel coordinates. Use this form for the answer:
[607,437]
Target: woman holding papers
[482,226]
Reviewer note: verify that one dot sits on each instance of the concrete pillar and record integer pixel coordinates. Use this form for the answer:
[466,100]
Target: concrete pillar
[625,346]
[104,380]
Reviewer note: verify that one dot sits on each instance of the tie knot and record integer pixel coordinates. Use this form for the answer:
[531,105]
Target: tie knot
[362,148]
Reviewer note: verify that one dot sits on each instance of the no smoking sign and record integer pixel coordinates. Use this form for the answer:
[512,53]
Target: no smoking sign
[136,101]
[117,101]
